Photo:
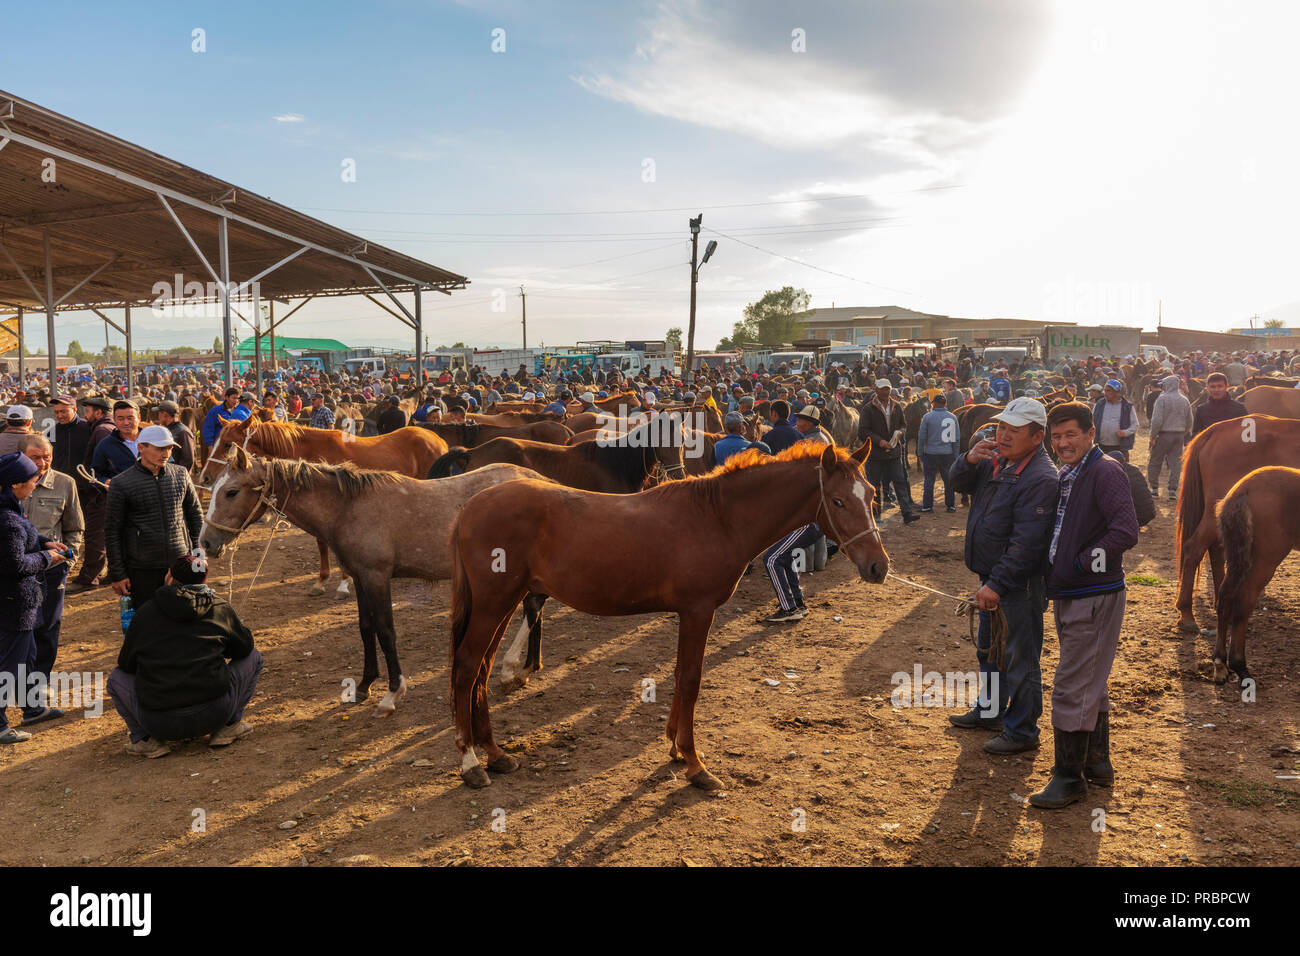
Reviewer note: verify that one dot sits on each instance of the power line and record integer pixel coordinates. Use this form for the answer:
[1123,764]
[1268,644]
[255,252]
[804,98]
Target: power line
[656,234]
[809,265]
[638,212]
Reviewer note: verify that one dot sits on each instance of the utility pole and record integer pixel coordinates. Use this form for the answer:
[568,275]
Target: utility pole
[523,300]
[695,272]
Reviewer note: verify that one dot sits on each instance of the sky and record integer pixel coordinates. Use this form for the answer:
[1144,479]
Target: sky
[1098,162]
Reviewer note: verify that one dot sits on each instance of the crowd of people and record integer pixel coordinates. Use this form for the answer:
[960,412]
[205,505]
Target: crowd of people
[113,496]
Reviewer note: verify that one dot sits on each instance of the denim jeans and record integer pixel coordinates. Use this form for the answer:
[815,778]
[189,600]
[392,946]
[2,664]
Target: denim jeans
[937,466]
[1020,686]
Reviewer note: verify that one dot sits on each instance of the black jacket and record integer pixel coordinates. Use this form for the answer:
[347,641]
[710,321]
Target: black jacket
[1009,528]
[876,427]
[70,444]
[391,419]
[177,646]
[150,520]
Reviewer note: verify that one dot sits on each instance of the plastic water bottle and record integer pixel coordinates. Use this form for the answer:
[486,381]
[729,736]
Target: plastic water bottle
[127,611]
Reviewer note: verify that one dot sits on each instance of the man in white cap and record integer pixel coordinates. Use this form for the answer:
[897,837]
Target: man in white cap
[1172,424]
[153,515]
[1014,490]
[18,422]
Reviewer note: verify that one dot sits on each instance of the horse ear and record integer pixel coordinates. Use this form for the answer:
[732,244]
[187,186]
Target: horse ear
[829,459]
[861,455]
[238,458]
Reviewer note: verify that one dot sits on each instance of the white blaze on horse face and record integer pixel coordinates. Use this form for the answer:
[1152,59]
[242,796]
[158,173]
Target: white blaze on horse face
[212,502]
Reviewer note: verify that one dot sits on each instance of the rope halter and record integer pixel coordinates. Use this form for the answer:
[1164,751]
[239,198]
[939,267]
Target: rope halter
[266,498]
[821,486]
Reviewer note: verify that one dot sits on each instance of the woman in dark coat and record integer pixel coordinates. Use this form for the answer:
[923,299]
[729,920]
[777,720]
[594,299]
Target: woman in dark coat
[24,557]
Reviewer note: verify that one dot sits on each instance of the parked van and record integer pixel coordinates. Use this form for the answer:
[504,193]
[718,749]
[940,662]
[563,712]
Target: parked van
[365,366]
[798,363]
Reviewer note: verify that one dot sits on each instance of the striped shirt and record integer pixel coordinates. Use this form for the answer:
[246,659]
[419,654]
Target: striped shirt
[1068,474]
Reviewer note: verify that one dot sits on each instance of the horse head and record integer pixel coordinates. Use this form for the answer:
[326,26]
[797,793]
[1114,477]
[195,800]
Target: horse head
[234,433]
[237,501]
[847,500]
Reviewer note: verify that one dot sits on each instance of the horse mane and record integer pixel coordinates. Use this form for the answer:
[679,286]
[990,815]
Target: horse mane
[706,490]
[351,481]
[628,463]
[278,438]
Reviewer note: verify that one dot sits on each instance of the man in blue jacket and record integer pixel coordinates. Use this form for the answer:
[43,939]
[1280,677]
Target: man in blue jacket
[1095,524]
[940,442]
[230,408]
[1013,487]
[118,452]
[782,434]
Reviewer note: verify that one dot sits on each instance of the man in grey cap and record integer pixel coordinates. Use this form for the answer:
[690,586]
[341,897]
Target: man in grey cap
[153,515]
[18,423]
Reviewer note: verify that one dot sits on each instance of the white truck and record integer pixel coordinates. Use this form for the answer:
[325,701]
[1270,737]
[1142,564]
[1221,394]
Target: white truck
[797,363]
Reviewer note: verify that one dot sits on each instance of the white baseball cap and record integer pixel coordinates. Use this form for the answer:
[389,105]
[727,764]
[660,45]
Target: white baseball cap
[19,411]
[587,397]
[884,383]
[157,436]
[1023,411]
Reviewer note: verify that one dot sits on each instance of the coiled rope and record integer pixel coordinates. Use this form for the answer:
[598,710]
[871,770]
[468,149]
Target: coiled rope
[965,606]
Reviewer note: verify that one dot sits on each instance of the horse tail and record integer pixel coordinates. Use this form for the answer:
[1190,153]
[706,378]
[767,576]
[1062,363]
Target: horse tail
[462,604]
[1236,528]
[457,458]
[1191,500]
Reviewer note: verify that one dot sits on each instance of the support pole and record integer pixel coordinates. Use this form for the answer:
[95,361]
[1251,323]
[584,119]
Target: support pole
[418,378]
[687,373]
[523,302]
[275,358]
[130,361]
[223,245]
[257,340]
[49,311]
[22,355]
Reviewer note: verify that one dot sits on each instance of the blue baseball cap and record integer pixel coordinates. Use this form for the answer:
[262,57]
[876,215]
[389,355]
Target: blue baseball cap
[1116,384]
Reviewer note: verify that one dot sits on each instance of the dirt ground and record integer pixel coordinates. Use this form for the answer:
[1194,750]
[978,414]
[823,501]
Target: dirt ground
[820,769]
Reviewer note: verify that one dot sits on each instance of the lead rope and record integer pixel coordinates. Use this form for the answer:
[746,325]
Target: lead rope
[997,621]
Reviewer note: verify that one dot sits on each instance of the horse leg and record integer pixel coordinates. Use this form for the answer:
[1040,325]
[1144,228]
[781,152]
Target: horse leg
[318,588]
[674,714]
[1263,566]
[468,652]
[498,760]
[693,631]
[370,666]
[1193,552]
[524,659]
[343,591]
[381,612]
[1216,568]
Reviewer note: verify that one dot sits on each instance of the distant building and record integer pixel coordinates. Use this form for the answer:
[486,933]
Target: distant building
[880,325]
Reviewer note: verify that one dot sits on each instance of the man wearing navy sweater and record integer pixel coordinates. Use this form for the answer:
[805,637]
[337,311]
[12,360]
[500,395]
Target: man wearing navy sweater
[1095,524]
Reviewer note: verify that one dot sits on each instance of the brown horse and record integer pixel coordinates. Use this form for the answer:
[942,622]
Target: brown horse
[614,467]
[365,516]
[1268,400]
[1259,525]
[1216,460]
[407,451]
[529,537]
[470,434]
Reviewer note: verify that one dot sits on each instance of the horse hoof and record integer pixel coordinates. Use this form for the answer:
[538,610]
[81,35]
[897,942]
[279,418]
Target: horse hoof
[342,591]
[476,777]
[515,683]
[1220,673]
[504,764]
[705,780]
[1188,627]
[316,590]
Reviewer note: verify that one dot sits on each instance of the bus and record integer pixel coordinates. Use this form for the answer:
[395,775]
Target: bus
[910,350]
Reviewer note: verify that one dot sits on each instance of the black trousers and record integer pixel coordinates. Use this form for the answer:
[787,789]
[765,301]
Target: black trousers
[144,583]
[94,504]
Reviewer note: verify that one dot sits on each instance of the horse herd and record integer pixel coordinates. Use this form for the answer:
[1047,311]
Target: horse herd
[518,499]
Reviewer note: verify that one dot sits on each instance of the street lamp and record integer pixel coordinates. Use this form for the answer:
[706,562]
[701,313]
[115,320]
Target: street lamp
[695,275]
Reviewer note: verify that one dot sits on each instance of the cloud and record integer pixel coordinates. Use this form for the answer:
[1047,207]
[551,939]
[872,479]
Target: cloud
[737,73]
[290,118]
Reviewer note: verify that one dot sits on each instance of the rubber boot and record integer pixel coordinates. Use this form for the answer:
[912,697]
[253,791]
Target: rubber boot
[1067,784]
[819,553]
[1097,769]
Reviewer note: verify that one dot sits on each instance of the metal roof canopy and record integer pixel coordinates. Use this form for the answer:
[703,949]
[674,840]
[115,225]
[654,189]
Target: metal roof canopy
[119,222]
